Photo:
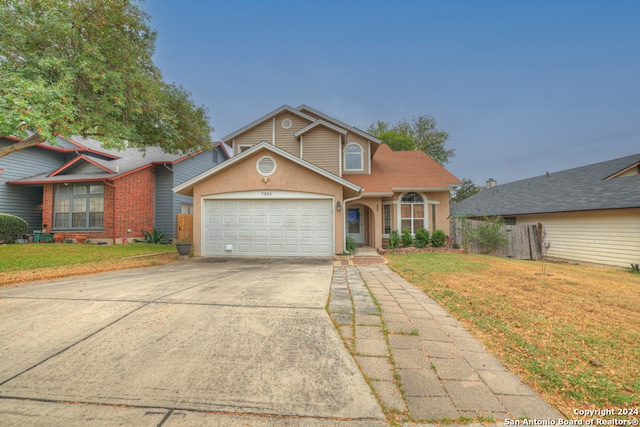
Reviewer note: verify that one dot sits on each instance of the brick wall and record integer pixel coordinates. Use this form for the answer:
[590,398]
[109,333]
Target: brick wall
[131,209]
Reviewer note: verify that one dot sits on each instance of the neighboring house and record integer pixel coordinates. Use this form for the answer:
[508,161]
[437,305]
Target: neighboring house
[591,213]
[300,182]
[76,187]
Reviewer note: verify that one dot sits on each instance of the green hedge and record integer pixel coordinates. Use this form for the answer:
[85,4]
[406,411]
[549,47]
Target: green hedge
[12,227]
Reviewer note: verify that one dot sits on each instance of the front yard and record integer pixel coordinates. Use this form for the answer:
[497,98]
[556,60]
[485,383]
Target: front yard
[571,334]
[45,261]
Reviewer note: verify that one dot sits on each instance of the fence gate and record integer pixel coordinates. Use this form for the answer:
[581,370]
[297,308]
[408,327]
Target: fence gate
[185,227]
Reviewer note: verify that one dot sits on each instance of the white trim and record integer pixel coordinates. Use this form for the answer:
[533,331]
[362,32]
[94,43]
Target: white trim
[418,189]
[340,155]
[259,194]
[275,165]
[318,123]
[369,155]
[301,150]
[398,201]
[275,112]
[273,131]
[339,123]
[276,150]
[288,120]
[344,152]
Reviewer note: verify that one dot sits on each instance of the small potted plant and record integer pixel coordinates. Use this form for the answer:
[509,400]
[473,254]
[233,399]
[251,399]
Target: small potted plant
[184,246]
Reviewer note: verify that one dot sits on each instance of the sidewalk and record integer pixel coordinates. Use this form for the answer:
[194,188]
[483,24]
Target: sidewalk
[427,366]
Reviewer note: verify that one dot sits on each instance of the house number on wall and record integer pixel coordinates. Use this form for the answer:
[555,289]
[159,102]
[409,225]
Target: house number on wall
[266,194]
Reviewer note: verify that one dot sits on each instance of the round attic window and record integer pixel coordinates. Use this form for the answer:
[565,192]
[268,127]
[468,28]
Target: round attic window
[266,166]
[287,123]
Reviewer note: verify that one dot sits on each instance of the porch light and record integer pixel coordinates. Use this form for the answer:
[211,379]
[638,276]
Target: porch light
[338,206]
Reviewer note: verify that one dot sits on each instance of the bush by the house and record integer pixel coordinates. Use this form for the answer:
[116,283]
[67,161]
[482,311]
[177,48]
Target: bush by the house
[352,245]
[12,227]
[394,239]
[407,239]
[438,238]
[422,238]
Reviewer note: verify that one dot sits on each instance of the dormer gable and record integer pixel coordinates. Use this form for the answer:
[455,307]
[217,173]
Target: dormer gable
[82,165]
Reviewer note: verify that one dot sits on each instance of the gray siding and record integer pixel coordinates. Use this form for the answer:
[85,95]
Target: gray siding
[164,218]
[22,200]
[168,205]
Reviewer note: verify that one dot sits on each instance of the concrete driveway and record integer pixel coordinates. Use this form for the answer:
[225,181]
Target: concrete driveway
[204,342]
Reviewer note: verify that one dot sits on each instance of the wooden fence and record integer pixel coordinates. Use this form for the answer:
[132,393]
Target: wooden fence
[524,240]
[185,227]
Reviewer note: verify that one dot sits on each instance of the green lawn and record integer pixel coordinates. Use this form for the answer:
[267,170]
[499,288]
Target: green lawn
[32,256]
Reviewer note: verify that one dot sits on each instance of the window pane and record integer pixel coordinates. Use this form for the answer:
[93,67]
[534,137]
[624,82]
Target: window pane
[80,189]
[63,190]
[79,217]
[61,213]
[96,189]
[406,223]
[96,219]
[386,214]
[405,211]
[418,223]
[418,211]
[354,161]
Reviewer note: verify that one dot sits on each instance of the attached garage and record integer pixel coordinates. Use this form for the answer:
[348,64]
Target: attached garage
[238,225]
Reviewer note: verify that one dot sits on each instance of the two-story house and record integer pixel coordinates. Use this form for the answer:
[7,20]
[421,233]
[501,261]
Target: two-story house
[78,188]
[299,182]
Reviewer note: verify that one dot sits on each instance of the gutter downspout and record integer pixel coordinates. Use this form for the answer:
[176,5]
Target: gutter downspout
[344,216]
[113,215]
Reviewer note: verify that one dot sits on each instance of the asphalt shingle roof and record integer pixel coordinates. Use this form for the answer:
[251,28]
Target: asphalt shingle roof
[579,189]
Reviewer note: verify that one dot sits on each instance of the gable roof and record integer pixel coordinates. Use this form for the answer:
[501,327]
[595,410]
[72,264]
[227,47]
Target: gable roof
[403,170]
[335,121]
[108,163]
[267,116]
[187,187]
[579,189]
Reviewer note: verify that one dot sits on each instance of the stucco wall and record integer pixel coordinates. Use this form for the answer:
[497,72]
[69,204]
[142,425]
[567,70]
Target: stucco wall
[243,176]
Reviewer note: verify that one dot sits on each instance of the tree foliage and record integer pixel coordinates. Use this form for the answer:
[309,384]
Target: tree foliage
[419,134]
[84,67]
[467,189]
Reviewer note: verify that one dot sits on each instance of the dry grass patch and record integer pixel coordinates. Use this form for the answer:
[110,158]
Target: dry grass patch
[33,262]
[572,334]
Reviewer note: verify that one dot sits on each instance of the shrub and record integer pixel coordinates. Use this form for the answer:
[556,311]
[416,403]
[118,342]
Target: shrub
[394,239]
[12,227]
[492,234]
[438,238]
[422,238]
[156,236]
[407,240]
[352,245]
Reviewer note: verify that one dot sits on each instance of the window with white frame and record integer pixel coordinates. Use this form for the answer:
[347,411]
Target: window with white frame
[386,219]
[79,206]
[412,212]
[353,157]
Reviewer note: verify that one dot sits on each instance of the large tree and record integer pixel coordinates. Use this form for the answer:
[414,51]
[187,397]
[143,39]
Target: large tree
[467,189]
[85,67]
[419,134]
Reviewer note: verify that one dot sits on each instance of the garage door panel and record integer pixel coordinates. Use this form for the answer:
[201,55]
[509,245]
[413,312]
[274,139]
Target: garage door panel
[269,227]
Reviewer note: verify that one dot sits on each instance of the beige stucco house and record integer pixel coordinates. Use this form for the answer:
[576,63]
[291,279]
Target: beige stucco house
[299,182]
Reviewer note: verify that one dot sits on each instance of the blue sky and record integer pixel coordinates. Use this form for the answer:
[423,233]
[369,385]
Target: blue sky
[522,87]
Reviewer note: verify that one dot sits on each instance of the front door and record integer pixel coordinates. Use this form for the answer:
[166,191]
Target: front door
[354,224]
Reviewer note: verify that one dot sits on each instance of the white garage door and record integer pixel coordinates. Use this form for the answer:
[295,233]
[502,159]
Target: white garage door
[269,227]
